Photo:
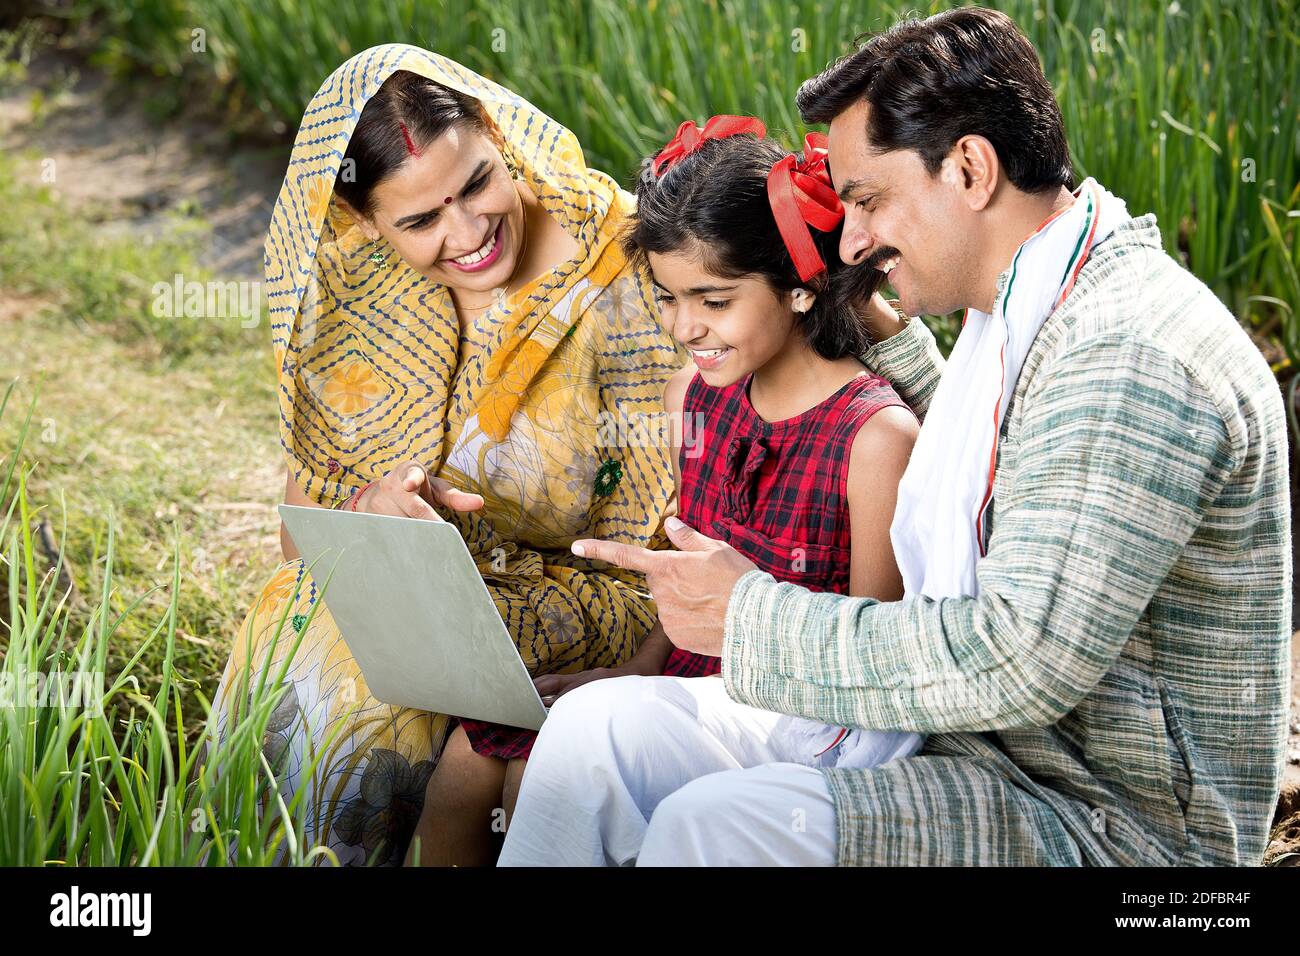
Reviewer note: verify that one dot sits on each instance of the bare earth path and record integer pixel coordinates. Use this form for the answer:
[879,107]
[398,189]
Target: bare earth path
[131,171]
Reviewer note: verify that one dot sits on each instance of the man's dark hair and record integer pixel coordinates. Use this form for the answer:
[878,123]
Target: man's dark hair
[958,73]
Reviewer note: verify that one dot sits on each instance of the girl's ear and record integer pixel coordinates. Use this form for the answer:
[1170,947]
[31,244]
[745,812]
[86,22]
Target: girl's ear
[367,226]
[801,300]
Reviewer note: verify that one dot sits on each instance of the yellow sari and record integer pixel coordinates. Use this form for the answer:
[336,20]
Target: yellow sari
[366,351]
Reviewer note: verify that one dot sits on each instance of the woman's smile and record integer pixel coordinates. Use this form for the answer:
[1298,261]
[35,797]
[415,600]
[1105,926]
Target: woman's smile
[485,256]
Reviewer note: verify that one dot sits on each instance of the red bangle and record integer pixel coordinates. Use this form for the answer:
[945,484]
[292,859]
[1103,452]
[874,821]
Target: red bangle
[356,496]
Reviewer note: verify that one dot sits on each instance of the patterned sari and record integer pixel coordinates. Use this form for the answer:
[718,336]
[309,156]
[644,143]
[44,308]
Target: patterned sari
[370,376]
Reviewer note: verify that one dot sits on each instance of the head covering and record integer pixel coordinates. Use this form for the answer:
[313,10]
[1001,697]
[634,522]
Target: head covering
[534,405]
[366,351]
[798,189]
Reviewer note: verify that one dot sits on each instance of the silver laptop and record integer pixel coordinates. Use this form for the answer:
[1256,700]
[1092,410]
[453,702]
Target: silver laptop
[415,613]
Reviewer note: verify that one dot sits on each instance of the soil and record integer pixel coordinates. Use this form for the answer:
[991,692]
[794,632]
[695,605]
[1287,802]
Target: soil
[1284,844]
[132,174]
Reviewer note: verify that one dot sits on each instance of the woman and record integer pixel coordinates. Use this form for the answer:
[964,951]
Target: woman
[454,322]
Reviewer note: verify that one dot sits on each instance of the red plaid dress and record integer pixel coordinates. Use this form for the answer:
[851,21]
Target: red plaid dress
[776,492]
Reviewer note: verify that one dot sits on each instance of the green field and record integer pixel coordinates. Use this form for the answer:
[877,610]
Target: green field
[149,449]
[1188,111]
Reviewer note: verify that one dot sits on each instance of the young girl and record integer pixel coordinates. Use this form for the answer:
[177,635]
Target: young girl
[795,449]
[792,450]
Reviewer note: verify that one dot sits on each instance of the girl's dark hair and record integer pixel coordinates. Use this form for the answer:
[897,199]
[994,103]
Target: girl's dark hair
[406,107]
[716,200]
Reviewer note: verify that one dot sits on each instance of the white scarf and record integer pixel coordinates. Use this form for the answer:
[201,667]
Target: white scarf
[939,518]
[945,489]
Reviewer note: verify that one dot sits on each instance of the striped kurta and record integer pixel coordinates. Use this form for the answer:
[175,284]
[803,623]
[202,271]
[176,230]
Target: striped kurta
[1117,692]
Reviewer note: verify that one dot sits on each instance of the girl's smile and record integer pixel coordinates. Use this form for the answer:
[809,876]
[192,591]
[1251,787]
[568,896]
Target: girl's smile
[710,359]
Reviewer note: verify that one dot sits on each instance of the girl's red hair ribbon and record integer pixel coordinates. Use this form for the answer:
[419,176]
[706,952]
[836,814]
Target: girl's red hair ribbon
[689,137]
[801,196]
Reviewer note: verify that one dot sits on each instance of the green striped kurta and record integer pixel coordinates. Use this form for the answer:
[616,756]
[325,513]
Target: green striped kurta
[1116,694]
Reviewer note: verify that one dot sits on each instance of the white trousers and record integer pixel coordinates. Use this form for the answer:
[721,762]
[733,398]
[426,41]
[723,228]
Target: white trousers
[670,771]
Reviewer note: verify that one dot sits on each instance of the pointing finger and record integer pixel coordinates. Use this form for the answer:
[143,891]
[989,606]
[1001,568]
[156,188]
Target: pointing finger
[453,498]
[615,552]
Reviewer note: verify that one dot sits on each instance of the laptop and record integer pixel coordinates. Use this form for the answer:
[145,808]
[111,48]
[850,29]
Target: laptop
[416,615]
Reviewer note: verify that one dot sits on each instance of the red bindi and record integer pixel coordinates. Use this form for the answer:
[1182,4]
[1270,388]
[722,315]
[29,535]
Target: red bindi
[447,201]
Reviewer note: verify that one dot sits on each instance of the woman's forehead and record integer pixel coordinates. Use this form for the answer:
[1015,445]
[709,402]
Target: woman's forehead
[443,166]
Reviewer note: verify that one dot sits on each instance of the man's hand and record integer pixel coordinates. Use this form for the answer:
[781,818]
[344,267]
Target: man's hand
[882,320]
[691,586]
[408,492]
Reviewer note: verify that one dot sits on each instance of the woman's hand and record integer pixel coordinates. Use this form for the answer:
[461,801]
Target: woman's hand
[408,492]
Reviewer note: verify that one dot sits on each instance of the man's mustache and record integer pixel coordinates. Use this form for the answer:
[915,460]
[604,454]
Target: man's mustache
[880,257]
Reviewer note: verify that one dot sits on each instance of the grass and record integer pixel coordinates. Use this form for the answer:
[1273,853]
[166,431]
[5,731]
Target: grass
[105,281]
[1188,110]
[125,412]
[114,778]
[167,424]
[144,466]
[149,443]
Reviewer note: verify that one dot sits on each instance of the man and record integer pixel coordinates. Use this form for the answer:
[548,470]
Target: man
[1095,633]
